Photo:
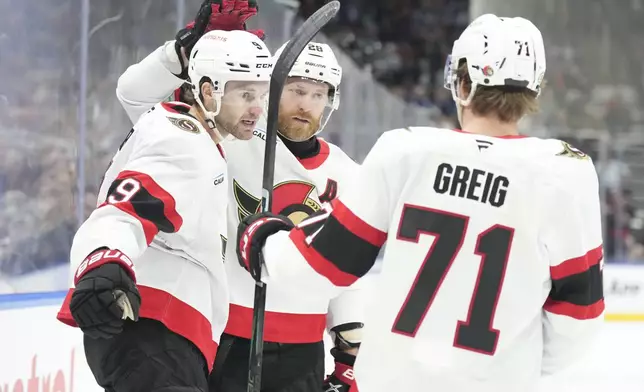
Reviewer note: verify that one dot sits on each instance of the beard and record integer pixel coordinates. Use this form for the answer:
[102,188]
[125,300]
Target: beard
[296,130]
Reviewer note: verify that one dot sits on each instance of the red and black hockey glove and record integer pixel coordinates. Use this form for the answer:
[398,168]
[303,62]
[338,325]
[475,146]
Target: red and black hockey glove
[252,233]
[341,380]
[105,294]
[229,15]
[225,15]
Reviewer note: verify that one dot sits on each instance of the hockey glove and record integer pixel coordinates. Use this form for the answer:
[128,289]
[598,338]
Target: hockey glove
[105,294]
[252,233]
[232,15]
[225,15]
[341,379]
[347,336]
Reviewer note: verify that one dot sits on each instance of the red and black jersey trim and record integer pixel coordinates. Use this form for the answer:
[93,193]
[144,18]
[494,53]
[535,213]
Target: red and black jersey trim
[154,207]
[177,107]
[577,288]
[315,161]
[343,247]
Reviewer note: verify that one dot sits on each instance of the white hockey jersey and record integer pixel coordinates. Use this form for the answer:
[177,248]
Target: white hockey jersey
[163,204]
[301,187]
[492,274]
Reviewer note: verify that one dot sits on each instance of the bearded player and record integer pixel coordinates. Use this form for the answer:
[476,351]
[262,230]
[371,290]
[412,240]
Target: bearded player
[309,172]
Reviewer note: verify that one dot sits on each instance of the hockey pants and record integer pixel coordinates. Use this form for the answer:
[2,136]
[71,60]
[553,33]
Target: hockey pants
[146,357]
[286,367]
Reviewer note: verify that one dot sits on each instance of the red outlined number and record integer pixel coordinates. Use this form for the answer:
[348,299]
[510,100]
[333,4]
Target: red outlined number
[125,191]
[449,229]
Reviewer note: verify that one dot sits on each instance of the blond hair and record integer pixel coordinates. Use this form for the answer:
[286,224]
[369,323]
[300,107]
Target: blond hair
[507,103]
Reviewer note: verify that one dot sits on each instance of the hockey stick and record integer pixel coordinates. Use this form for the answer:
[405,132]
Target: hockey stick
[281,69]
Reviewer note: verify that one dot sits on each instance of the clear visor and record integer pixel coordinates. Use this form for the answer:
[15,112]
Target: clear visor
[314,86]
[238,108]
[302,126]
[245,95]
[306,106]
[448,73]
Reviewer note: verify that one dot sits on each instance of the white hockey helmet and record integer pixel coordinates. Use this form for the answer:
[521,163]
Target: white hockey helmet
[317,62]
[499,52]
[224,56]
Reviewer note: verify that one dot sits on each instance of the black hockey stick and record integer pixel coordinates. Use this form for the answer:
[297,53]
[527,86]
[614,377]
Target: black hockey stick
[281,69]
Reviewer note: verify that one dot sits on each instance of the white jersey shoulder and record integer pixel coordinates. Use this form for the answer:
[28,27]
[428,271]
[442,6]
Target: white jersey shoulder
[164,134]
[338,164]
[558,157]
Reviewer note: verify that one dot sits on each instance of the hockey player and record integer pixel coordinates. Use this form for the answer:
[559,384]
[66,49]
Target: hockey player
[149,287]
[492,273]
[309,172]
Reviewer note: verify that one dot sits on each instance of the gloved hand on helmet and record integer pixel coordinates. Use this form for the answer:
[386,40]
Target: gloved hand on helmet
[227,15]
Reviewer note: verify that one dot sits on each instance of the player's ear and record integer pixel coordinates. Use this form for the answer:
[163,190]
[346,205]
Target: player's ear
[461,90]
[206,89]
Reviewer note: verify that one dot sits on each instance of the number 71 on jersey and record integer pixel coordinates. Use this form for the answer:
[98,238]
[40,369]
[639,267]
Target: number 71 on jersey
[449,229]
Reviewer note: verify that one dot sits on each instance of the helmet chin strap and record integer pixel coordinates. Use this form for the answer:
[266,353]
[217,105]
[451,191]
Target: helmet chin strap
[460,102]
[209,117]
[326,120]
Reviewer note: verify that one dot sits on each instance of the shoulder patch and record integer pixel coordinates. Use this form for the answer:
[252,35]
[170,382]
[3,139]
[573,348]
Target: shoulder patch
[572,152]
[185,124]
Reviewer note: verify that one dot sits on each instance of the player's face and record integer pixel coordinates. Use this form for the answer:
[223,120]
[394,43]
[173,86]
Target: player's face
[301,108]
[241,106]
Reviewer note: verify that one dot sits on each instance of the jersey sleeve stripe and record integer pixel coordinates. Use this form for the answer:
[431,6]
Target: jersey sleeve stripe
[579,312]
[580,295]
[357,226]
[149,228]
[577,264]
[319,263]
[583,288]
[334,251]
[151,205]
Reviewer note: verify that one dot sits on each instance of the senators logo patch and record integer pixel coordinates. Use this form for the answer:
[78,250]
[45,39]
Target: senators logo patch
[572,152]
[291,198]
[184,124]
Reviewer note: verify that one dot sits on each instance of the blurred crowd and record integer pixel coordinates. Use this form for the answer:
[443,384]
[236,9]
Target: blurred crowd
[39,121]
[594,99]
[402,43]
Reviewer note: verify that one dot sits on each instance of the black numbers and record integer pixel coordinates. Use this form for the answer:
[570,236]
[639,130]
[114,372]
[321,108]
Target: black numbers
[316,48]
[523,45]
[449,229]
